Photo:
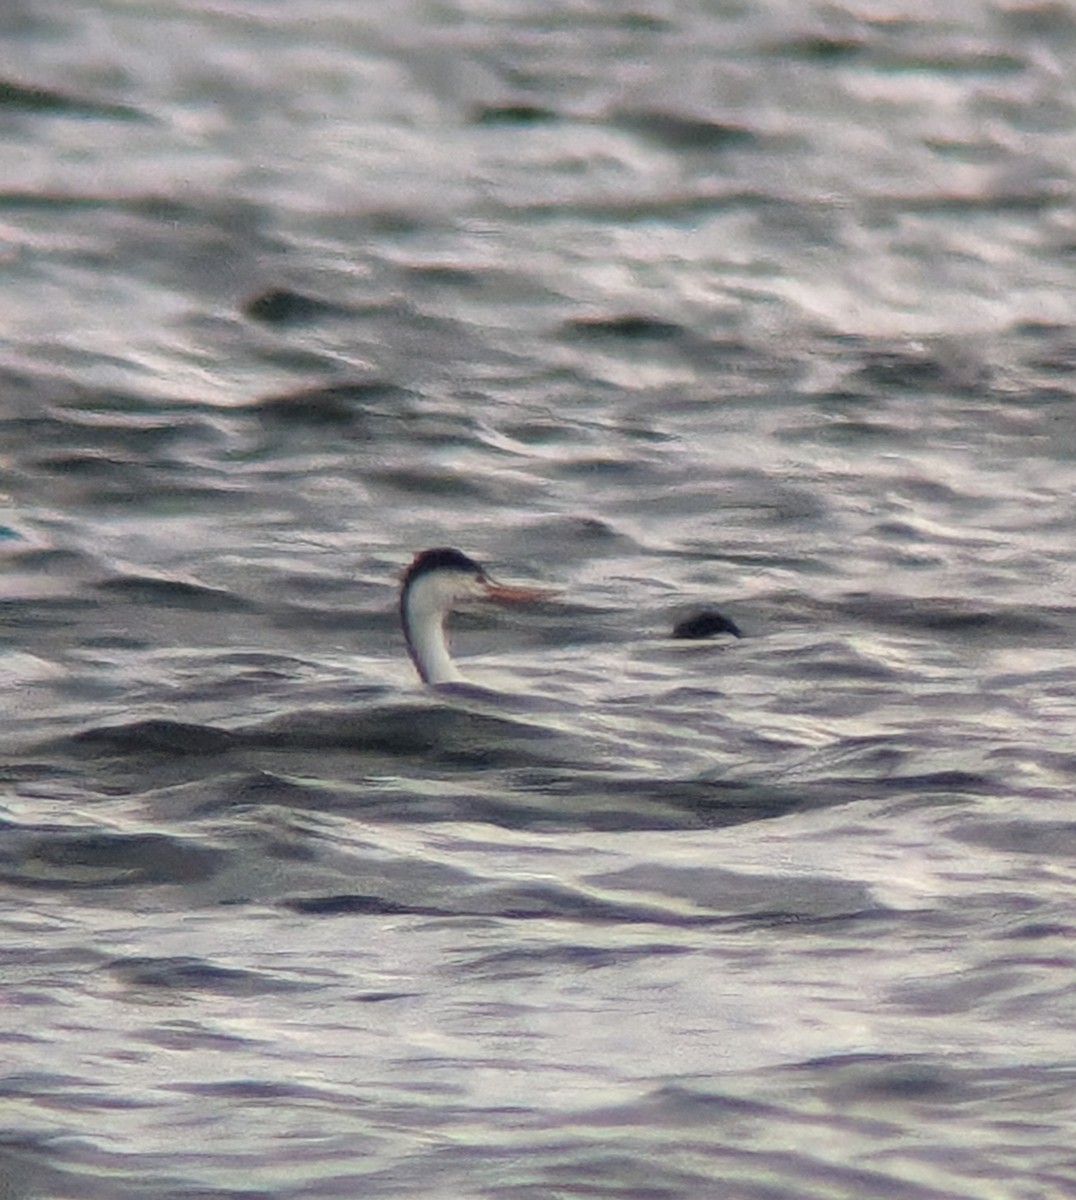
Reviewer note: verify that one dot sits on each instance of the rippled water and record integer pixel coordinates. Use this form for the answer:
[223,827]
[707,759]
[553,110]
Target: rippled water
[766,307]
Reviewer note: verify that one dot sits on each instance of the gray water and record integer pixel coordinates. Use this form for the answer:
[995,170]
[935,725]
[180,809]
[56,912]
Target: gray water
[763,306]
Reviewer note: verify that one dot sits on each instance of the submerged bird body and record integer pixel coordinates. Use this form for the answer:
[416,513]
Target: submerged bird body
[440,579]
[434,583]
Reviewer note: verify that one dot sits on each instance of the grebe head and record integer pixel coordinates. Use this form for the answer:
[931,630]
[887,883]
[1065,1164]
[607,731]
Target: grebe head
[433,584]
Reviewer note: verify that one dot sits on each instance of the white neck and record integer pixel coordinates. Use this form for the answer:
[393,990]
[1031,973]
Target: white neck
[423,613]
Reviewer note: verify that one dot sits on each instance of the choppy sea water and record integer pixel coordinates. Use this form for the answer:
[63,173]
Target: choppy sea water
[766,307]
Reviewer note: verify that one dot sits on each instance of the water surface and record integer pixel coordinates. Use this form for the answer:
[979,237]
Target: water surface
[761,307]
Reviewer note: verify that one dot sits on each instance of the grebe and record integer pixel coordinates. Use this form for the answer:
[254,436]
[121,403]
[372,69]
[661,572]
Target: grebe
[435,582]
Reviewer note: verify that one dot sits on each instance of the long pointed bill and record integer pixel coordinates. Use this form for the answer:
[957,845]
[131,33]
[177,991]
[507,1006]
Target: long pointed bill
[502,593]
